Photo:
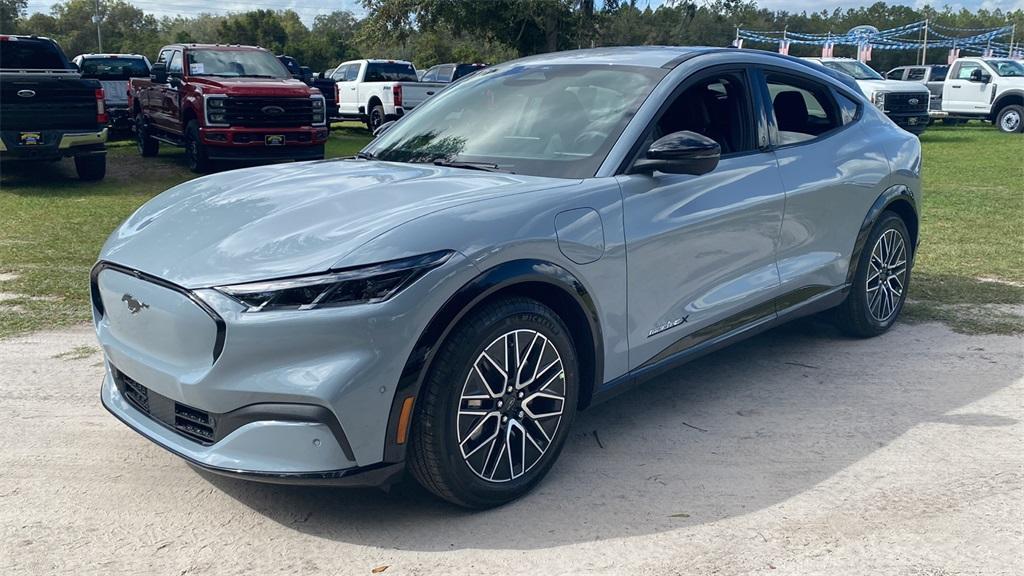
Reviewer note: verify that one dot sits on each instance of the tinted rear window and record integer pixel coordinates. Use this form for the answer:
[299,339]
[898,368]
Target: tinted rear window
[114,68]
[939,73]
[389,72]
[466,69]
[24,54]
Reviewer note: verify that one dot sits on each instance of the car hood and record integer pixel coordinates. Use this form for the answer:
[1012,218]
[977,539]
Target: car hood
[871,86]
[289,219]
[286,87]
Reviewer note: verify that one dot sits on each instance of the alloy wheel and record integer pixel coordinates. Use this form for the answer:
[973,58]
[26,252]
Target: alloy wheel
[511,405]
[887,275]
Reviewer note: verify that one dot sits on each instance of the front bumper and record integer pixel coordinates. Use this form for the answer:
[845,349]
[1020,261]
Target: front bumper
[289,396]
[915,123]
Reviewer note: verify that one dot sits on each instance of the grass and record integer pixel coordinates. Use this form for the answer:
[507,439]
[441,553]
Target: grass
[973,228]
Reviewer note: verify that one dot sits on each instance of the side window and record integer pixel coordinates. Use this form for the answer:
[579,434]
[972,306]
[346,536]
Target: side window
[964,73]
[803,108]
[847,109]
[165,55]
[339,74]
[430,76]
[445,73]
[175,65]
[718,107]
[915,74]
[352,72]
[896,74]
[939,73]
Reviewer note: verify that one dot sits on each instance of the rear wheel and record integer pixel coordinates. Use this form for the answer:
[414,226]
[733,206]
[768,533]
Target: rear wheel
[496,407]
[91,167]
[376,118]
[880,285]
[148,146]
[1011,119]
[195,150]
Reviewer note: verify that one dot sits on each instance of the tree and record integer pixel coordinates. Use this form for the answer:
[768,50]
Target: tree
[11,11]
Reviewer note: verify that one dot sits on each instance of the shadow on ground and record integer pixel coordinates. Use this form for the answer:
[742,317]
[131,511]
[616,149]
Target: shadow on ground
[738,431]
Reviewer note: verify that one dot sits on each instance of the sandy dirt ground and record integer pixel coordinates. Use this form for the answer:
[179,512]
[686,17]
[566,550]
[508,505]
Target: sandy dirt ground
[797,452]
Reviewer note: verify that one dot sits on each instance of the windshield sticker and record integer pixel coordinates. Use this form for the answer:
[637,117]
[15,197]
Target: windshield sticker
[196,68]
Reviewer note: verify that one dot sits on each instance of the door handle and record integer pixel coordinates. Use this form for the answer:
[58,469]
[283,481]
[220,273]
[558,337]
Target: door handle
[956,86]
[431,93]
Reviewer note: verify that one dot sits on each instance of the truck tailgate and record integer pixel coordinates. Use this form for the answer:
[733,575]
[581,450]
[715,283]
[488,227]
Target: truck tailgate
[116,92]
[30,101]
[415,93]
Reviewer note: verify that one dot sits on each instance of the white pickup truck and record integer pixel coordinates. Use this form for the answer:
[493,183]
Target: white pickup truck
[987,89]
[378,91]
[905,103]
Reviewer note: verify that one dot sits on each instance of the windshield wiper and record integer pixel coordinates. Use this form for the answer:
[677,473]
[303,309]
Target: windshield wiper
[484,166]
[365,156]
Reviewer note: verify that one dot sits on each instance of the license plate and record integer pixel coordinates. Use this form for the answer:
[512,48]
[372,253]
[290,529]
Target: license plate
[274,140]
[30,138]
[912,121]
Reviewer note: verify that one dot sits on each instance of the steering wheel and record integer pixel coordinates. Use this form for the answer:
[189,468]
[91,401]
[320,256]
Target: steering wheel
[589,140]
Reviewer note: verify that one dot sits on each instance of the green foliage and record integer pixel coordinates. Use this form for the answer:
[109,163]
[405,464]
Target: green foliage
[11,12]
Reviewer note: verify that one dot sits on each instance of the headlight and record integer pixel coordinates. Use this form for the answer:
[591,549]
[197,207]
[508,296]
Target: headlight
[363,285]
[879,99]
[319,116]
[215,112]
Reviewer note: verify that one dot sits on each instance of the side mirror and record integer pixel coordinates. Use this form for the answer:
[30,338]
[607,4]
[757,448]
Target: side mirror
[979,75]
[384,128]
[680,153]
[158,73]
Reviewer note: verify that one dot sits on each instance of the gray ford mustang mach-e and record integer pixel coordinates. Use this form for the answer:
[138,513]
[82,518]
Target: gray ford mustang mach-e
[535,239]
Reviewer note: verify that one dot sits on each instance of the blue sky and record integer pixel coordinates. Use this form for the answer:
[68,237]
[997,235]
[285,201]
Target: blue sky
[308,9]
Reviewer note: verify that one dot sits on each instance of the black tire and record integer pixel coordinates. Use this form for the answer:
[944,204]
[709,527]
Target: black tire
[435,452]
[1011,119]
[147,145]
[869,312]
[375,118]
[195,151]
[91,167]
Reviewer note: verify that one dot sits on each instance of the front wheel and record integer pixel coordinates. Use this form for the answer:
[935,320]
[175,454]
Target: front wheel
[1011,119]
[147,145]
[195,150]
[496,406]
[880,285]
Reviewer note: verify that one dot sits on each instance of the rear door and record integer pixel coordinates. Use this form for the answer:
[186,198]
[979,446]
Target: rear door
[166,99]
[832,172]
[701,250]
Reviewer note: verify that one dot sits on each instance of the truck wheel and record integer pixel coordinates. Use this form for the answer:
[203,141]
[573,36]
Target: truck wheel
[91,167]
[376,119]
[147,145]
[1011,119]
[195,150]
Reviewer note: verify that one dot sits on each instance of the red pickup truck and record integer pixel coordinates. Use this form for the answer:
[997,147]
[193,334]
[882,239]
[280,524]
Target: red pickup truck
[225,102]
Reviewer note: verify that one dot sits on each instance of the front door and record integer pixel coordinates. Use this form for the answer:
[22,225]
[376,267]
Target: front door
[965,95]
[168,111]
[701,250]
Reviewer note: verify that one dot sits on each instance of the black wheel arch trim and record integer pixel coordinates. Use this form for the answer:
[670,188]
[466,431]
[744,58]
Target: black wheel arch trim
[892,195]
[500,277]
[1001,103]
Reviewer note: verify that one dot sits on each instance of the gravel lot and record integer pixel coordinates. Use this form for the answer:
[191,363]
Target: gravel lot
[798,452]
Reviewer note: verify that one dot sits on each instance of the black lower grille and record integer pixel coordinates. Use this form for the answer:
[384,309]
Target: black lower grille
[277,112]
[907,103]
[192,423]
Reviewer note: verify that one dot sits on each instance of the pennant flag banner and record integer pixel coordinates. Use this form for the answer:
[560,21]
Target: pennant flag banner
[865,38]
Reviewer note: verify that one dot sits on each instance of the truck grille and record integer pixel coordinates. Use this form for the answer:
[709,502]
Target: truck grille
[276,112]
[192,423]
[900,103]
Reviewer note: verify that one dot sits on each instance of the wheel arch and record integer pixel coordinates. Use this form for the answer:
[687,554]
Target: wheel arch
[374,101]
[899,199]
[1008,98]
[544,281]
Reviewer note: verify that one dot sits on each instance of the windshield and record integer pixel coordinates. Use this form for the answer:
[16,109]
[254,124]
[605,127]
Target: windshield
[859,70]
[114,68]
[234,63]
[1006,67]
[557,121]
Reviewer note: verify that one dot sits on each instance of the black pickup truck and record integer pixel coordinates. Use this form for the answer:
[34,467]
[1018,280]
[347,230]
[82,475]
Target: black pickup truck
[47,110]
